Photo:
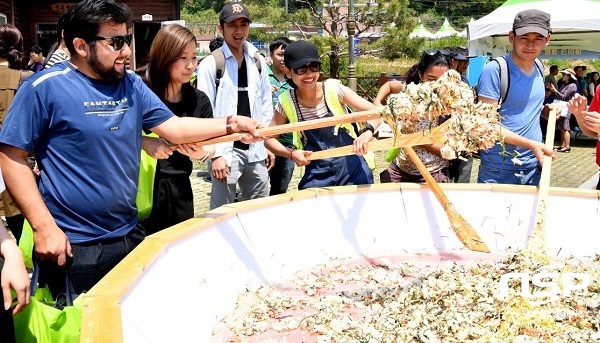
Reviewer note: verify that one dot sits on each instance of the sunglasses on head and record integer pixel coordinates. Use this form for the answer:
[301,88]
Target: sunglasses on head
[438,51]
[116,42]
[314,67]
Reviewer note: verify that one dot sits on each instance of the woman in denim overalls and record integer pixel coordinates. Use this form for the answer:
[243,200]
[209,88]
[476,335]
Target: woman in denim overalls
[306,101]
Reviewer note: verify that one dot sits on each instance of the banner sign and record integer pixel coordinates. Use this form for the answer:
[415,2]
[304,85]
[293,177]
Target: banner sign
[569,54]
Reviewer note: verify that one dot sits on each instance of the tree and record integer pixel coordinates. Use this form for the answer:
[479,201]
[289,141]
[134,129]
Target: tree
[458,12]
[199,6]
[391,17]
[388,16]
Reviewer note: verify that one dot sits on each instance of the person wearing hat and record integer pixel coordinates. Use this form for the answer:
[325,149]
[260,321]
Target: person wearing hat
[459,61]
[565,92]
[460,168]
[243,90]
[520,111]
[310,99]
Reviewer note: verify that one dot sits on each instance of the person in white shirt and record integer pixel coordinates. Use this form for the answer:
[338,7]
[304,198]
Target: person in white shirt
[243,90]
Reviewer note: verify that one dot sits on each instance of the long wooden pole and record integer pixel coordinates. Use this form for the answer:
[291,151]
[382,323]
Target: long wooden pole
[537,242]
[436,135]
[298,126]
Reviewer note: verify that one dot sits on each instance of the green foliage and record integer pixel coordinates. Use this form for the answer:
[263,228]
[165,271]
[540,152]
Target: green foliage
[441,43]
[459,13]
[198,6]
[204,16]
[272,16]
[395,43]
[391,16]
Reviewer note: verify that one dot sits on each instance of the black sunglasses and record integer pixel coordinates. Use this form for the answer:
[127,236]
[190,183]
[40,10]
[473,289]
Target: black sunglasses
[438,51]
[116,42]
[314,67]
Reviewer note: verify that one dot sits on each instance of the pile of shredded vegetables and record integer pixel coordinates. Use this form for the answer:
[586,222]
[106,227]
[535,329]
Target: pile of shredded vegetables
[472,126]
[416,302]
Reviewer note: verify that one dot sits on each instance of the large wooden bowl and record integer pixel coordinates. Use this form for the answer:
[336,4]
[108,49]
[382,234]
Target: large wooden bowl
[178,283]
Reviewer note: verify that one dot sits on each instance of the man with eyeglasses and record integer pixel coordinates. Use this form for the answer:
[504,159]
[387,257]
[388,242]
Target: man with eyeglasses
[242,90]
[520,110]
[83,120]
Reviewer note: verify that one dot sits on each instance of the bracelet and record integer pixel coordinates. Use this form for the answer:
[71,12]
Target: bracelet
[228,125]
[203,159]
[367,127]
[292,152]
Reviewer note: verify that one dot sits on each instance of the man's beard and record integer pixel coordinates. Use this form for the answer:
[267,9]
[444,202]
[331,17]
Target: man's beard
[107,74]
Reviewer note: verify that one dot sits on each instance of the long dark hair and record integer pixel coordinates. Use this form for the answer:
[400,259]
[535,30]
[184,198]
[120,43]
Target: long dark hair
[166,49]
[11,45]
[429,59]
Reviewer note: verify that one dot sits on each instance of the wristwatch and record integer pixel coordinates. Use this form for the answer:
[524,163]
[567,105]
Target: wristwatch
[367,127]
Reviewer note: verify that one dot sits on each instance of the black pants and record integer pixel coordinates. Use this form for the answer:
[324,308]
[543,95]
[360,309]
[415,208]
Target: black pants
[7,326]
[90,262]
[15,224]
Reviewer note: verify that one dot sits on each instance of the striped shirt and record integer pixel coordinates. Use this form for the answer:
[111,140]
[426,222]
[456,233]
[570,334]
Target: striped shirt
[57,57]
[311,113]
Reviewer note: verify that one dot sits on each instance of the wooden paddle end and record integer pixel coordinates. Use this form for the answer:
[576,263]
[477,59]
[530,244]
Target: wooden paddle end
[467,235]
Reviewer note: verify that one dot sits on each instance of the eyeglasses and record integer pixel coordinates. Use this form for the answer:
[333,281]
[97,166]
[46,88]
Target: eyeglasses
[314,67]
[116,42]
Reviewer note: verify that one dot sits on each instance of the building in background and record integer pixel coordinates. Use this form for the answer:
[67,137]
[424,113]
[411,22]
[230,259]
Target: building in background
[36,19]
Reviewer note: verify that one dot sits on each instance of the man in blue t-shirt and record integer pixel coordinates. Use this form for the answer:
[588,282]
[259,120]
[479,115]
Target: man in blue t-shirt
[83,120]
[521,110]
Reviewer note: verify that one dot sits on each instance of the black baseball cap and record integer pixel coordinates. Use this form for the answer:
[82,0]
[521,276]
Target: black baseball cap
[232,11]
[532,21]
[460,54]
[299,53]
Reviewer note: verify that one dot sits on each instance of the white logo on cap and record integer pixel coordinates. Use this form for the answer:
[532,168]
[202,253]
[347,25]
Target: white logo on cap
[237,8]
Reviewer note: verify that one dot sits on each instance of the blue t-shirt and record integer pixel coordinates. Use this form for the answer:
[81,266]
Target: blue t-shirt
[86,136]
[520,112]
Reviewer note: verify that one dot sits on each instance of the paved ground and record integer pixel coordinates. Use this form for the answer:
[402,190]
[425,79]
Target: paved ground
[573,170]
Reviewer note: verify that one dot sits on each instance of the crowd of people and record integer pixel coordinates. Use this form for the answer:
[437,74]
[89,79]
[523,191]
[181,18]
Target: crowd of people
[87,143]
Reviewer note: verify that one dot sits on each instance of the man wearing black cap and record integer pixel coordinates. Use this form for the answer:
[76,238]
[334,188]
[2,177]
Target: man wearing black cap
[521,108]
[242,90]
[460,168]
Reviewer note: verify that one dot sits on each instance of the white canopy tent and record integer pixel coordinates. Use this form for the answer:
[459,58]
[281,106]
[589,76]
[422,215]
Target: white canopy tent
[575,28]
[421,32]
[446,30]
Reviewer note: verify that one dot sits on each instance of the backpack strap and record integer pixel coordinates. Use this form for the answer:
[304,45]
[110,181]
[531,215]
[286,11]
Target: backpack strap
[219,67]
[540,66]
[504,78]
[257,62]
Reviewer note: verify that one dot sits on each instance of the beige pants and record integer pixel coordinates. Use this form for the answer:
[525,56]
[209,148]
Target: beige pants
[10,208]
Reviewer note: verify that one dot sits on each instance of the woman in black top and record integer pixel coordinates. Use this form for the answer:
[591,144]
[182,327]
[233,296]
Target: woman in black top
[171,63]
